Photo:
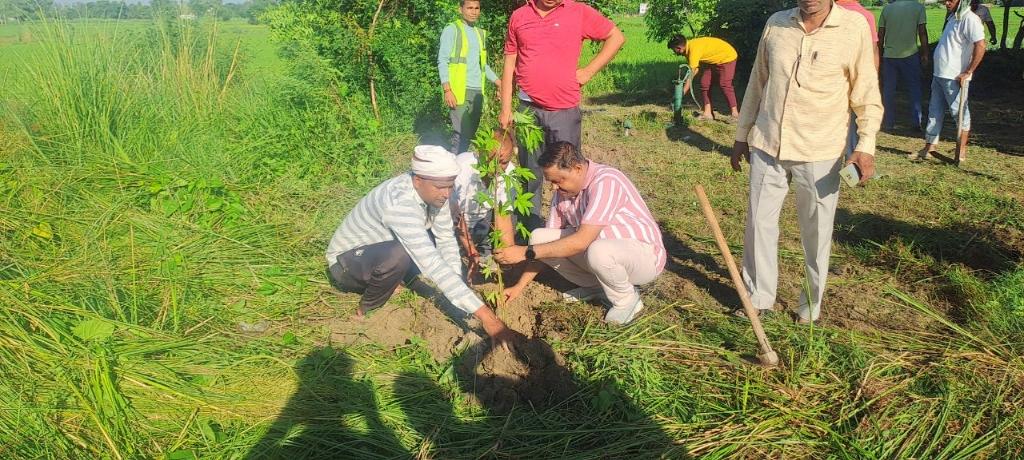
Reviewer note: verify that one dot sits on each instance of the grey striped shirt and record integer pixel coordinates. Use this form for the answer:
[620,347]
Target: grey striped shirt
[394,211]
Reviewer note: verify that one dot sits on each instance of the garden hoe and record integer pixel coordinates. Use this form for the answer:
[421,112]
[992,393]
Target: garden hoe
[767,356]
[960,118]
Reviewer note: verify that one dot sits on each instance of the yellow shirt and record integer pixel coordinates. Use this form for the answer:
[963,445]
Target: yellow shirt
[710,50]
[804,85]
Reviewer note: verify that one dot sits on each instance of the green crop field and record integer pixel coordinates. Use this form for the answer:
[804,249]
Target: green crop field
[167,190]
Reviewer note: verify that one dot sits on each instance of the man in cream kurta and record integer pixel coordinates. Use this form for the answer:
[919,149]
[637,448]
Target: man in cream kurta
[814,65]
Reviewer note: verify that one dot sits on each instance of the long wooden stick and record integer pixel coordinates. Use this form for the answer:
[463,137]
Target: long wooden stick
[768,357]
[960,116]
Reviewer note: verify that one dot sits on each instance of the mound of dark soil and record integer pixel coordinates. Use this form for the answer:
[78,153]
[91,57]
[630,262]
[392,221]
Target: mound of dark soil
[533,375]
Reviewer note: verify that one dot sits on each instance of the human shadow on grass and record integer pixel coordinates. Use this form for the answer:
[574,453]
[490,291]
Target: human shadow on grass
[317,420]
[538,408]
[679,131]
[683,261]
[937,158]
[974,246]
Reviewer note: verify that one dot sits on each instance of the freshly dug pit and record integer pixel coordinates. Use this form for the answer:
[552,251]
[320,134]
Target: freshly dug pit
[499,380]
[534,374]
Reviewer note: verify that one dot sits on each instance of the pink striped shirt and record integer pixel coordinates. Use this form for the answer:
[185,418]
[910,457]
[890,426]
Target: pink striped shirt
[609,199]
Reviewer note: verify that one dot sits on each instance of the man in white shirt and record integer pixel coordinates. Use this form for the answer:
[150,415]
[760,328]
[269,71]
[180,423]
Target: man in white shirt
[476,215]
[958,54]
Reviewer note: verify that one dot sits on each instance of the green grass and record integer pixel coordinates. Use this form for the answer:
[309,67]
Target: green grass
[154,201]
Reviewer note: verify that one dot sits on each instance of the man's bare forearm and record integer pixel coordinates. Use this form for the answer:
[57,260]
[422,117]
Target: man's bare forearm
[507,72]
[979,53]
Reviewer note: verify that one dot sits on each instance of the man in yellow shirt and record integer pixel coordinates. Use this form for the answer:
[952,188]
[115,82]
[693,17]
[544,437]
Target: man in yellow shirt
[720,58]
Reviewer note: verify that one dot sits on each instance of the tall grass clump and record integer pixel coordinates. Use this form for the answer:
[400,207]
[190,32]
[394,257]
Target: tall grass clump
[150,202]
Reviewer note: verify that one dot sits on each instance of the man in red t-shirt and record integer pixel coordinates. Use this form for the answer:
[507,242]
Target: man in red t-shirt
[542,49]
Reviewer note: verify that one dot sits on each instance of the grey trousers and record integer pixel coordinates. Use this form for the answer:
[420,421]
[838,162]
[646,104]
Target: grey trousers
[466,120]
[558,125]
[817,193]
[374,271]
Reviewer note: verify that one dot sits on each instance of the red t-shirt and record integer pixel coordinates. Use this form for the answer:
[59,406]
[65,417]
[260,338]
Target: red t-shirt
[548,50]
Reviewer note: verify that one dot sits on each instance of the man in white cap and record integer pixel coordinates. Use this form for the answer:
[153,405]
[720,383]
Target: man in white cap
[404,227]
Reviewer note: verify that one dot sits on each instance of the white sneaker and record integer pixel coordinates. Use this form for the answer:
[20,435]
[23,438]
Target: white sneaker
[583,294]
[624,315]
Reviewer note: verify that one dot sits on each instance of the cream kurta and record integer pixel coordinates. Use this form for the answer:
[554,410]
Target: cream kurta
[804,85]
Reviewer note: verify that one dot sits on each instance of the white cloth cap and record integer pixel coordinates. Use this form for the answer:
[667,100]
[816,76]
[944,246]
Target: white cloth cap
[434,162]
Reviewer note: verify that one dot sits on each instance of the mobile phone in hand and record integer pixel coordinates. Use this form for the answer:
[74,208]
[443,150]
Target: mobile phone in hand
[850,175]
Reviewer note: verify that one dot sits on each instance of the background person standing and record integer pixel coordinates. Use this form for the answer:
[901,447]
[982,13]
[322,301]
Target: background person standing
[902,25]
[958,54]
[986,18]
[814,65]
[462,66]
[542,50]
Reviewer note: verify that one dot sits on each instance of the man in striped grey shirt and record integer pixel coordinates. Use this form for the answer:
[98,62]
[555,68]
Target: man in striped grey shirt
[404,227]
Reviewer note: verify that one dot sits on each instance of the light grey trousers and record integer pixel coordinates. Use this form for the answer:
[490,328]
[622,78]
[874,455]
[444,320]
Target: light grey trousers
[817,193]
[617,265]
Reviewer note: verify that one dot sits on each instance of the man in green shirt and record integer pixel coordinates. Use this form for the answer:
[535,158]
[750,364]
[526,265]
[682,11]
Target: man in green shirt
[900,26]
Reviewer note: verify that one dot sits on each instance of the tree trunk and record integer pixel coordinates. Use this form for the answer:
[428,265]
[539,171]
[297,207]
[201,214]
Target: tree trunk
[1007,4]
[369,55]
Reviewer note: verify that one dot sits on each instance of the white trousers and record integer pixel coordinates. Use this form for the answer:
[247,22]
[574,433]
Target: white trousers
[617,265]
[817,192]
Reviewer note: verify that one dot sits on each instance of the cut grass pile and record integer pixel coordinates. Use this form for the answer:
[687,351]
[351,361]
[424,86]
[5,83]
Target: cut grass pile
[163,216]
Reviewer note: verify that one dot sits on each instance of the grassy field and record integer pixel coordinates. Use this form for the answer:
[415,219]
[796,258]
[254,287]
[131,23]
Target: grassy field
[22,43]
[163,214]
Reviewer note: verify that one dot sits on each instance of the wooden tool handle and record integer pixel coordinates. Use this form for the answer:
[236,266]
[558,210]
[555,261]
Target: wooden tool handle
[767,355]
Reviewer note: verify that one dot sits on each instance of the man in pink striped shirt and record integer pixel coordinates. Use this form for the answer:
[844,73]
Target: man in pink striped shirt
[599,235]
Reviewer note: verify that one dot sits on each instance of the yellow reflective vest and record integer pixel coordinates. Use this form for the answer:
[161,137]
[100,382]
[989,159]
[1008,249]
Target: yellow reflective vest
[457,69]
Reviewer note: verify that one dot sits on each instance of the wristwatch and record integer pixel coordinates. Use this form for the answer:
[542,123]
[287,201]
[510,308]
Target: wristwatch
[530,255]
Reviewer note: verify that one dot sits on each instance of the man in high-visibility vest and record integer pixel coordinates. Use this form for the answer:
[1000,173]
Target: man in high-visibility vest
[462,65]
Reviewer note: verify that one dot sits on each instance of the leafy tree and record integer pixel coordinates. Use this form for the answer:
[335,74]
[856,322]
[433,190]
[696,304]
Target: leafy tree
[739,22]
[255,8]
[666,18]
[25,10]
